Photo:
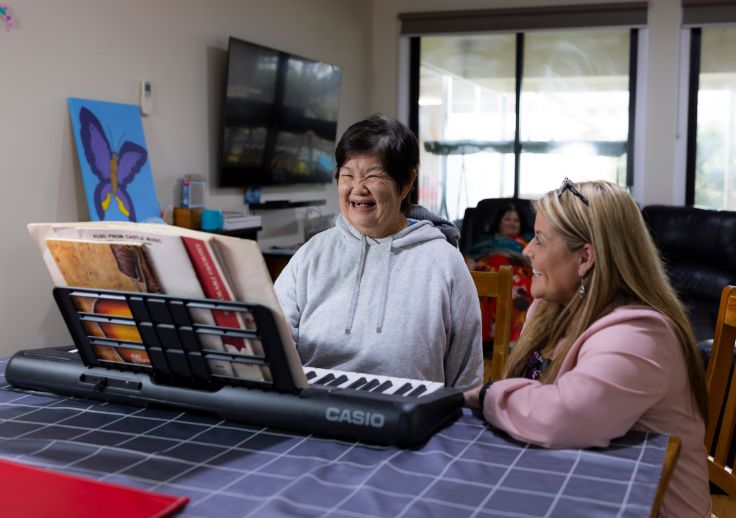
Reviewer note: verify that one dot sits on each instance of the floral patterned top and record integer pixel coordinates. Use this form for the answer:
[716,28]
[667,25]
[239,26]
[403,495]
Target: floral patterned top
[535,366]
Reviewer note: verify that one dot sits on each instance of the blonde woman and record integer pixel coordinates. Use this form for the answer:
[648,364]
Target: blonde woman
[607,346]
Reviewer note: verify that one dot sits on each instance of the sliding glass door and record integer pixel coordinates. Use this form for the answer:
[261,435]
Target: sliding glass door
[511,114]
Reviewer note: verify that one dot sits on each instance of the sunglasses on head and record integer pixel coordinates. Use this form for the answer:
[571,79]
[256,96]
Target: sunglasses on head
[567,185]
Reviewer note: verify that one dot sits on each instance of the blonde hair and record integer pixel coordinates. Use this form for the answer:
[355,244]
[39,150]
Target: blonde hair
[627,269]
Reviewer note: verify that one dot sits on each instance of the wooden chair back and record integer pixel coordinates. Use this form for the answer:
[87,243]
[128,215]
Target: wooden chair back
[671,454]
[719,430]
[497,285]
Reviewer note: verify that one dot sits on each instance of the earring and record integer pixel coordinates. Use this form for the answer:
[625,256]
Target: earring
[581,290]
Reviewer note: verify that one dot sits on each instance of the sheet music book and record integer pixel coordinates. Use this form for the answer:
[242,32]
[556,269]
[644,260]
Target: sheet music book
[33,491]
[242,265]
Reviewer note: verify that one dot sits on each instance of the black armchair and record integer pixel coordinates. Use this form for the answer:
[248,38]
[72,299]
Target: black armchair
[698,247]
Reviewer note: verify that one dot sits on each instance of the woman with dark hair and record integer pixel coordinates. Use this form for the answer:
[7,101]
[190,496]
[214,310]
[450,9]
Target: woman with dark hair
[509,236]
[607,346]
[509,223]
[381,292]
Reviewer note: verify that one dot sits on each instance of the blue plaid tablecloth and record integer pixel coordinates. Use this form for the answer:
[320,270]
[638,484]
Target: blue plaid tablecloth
[231,469]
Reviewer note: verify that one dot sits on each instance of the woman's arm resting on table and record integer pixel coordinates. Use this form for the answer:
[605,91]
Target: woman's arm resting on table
[617,378]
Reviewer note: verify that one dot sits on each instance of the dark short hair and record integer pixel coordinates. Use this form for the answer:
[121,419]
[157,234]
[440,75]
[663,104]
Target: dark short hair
[395,146]
[523,226]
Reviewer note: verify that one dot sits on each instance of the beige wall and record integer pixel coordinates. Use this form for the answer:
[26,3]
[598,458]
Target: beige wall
[101,50]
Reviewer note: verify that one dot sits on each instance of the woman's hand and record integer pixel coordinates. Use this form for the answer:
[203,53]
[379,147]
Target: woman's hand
[471,397]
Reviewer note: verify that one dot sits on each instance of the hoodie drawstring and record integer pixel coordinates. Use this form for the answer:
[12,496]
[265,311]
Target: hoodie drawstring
[384,287]
[356,286]
[417,232]
[359,276]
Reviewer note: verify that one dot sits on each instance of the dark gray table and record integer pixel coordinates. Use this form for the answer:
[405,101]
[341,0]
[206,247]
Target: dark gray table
[231,469]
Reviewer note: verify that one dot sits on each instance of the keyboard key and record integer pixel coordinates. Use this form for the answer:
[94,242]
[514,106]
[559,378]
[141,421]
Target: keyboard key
[383,386]
[338,381]
[311,374]
[370,385]
[403,388]
[421,389]
[357,383]
[325,379]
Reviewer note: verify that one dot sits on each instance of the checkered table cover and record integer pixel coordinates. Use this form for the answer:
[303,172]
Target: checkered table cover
[231,469]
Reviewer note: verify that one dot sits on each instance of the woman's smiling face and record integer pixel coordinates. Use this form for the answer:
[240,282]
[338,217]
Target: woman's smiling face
[556,269]
[510,224]
[370,199]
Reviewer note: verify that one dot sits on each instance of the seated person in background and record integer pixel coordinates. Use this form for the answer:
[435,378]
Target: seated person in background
[380,293]
[508,238]
[504,247]
[607,346]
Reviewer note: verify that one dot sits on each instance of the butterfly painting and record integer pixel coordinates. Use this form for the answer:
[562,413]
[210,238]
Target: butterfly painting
[114,161]
[115,170]
[5,16]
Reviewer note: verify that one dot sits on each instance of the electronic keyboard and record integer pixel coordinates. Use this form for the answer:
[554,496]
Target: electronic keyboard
[233,359]
[378,409]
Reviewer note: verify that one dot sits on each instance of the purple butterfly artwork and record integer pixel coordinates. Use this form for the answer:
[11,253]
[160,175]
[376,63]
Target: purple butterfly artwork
[114,170]
[6,16]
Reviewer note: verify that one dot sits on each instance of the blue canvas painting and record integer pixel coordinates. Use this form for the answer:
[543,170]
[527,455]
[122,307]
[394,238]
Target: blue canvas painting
[114,161]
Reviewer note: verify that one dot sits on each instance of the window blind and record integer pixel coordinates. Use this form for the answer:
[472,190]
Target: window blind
[629,14]
[699,12]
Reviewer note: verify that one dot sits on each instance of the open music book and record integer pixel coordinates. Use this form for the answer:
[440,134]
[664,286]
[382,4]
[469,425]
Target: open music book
[175,261]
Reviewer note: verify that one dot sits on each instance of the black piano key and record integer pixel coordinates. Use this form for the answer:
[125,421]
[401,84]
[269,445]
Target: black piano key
[357,383]
[311,374]
[338,381]
[325,379]
[417,391]
[403,388]
[370,385]
[383,386]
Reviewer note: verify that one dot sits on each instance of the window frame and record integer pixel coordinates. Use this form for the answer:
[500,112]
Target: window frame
[634,119]
[693,87]
[696,17]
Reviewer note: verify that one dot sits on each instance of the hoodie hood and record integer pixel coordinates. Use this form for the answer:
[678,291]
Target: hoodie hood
[416,233]
[448,228]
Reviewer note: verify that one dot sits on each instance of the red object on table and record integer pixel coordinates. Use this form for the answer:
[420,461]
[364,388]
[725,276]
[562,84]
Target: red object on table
[29,492]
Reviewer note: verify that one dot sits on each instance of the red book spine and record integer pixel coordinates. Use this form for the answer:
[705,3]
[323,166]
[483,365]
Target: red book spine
[214,285]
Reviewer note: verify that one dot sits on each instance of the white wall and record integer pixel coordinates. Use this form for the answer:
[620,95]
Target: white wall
[657,182]
[101,50]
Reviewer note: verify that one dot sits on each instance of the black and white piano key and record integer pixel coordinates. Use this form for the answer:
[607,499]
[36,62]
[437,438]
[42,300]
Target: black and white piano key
[371,382]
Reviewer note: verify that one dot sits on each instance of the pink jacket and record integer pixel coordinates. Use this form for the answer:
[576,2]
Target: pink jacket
[626,371]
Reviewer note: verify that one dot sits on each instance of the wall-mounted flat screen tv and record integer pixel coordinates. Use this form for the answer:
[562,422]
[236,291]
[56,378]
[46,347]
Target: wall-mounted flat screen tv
[279,118]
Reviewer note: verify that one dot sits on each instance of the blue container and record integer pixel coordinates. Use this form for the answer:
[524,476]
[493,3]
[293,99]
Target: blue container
[211,220]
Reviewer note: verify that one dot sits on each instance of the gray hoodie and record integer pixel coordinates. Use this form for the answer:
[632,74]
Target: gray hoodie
[404,305]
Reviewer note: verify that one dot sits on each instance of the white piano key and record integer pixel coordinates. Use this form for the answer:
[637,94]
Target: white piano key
[353,376]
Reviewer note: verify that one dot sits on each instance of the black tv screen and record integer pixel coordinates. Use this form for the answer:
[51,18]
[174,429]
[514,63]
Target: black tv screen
[279,118]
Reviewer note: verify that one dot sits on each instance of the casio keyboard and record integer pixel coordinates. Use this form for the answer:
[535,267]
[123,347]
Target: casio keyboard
[247,373]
